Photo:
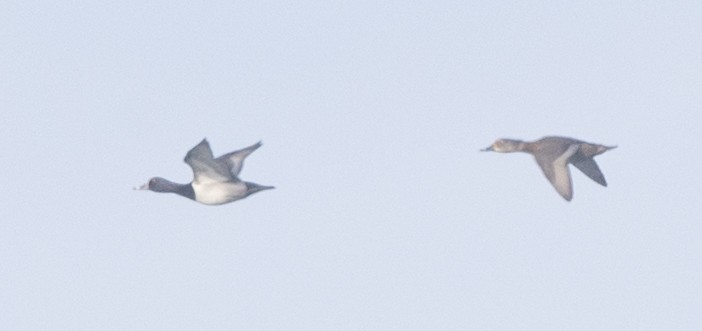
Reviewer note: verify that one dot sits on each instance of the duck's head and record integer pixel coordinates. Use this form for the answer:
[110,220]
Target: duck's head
[158,184]
[504,146]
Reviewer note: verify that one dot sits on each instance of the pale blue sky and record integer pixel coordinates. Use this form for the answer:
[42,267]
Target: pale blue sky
[385,216]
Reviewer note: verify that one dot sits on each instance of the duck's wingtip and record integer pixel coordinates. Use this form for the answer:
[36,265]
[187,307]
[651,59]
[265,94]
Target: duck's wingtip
[203,142]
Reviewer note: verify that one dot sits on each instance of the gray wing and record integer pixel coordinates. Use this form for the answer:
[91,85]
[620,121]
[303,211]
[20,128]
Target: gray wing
[205,168]
[589,167]
[555,168]
[234,161]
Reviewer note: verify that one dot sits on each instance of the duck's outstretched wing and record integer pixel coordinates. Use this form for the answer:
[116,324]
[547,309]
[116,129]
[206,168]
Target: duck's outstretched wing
[205,168]
[589,167]
[234,161]
[555,168]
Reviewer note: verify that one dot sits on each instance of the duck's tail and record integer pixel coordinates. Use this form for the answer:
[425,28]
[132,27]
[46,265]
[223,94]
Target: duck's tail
[252,188]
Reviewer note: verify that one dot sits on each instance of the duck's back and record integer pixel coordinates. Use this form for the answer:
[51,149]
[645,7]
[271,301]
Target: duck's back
[551,147]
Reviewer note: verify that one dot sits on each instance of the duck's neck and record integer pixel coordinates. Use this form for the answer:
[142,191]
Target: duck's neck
[528,147]
[185,190]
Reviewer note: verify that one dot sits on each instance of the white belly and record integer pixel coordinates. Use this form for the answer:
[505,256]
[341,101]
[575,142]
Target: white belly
[217,193]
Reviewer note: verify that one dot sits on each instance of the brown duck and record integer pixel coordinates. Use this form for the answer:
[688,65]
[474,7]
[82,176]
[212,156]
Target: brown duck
[553,154]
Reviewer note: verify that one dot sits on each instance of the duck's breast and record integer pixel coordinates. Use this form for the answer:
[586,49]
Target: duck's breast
[218,193]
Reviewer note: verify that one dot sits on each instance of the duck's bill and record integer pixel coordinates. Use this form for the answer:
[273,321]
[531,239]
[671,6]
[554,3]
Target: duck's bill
[487,149]
[143,187]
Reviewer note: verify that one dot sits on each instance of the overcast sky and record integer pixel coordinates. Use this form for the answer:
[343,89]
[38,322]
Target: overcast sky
[385,216]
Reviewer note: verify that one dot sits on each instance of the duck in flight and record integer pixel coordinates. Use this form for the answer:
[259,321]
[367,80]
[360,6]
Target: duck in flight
[553,154]
[215,180]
